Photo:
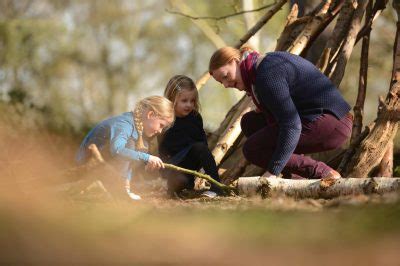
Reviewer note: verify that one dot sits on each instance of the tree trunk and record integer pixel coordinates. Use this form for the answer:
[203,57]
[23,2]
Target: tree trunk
[339,32]
[250,20]
[373,148]
[385,168]
[232,115]
[314,26]
[351,150]
[299,33]
[231,133]
[362,81]
[376,11]
[345,52]
[309,188]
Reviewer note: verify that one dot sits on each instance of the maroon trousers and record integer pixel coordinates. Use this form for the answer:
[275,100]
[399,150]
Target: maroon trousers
[323,134]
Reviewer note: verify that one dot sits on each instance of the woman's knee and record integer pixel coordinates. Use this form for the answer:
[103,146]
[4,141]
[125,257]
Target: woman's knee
[251,122]
[257,153]
[249,151]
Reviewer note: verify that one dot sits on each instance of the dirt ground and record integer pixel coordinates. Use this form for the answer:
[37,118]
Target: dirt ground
[46,230]
[40,224]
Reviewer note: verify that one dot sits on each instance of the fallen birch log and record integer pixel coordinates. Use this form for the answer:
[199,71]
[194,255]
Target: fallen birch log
[312,188]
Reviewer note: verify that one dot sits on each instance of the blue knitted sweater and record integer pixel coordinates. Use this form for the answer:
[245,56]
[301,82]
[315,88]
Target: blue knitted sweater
[292,89]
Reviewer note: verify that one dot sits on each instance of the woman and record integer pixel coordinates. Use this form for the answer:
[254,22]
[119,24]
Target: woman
[299,110]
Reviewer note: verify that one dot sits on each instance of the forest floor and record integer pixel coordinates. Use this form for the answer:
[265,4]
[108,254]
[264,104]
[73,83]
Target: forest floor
[46,229]
[39,225]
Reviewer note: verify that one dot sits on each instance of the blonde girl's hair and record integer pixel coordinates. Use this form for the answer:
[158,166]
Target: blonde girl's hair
[177,84]
[161,106]
[225,55]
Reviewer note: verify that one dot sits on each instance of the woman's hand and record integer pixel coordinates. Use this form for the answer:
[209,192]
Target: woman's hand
[268,174]
[154,163]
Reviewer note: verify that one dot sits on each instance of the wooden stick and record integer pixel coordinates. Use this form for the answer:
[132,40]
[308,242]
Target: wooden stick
[200,175]
[97,156]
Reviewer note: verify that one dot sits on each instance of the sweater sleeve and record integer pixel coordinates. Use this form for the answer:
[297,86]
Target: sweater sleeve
[273,92]
[120,133]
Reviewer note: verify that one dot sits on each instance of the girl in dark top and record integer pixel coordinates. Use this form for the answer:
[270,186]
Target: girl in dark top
[299,110]
[185,143]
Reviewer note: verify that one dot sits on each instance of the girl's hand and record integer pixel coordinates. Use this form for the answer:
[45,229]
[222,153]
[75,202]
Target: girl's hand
[154,163]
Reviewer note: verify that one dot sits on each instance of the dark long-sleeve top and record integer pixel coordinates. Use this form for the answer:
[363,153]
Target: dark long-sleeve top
[292,89]
[176,142]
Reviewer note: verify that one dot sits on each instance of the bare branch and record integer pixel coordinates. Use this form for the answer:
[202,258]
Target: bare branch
[221,17]
[377,9]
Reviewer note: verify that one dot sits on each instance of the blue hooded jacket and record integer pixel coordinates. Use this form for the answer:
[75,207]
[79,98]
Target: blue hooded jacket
[116,139]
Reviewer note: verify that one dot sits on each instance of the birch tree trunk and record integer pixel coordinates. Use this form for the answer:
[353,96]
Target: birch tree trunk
[228,121]
[309,188]
[232,132]
[250,20]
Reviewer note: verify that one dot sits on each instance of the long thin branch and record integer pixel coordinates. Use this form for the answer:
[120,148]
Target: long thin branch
[99,159]
[221,17]
[200,175]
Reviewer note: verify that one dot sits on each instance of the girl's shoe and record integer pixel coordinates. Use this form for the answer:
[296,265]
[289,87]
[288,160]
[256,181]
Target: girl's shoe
[209,194]
[134,196]
[130,193]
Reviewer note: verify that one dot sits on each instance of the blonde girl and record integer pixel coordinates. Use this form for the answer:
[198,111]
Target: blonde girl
[122,139]
[185,143]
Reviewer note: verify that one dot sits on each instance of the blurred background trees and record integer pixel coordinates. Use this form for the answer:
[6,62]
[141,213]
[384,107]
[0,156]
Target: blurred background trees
[73,63]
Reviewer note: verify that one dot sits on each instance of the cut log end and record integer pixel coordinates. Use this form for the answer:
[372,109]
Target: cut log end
[327,182]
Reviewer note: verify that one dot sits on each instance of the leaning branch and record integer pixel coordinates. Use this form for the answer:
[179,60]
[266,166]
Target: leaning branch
[223,187]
